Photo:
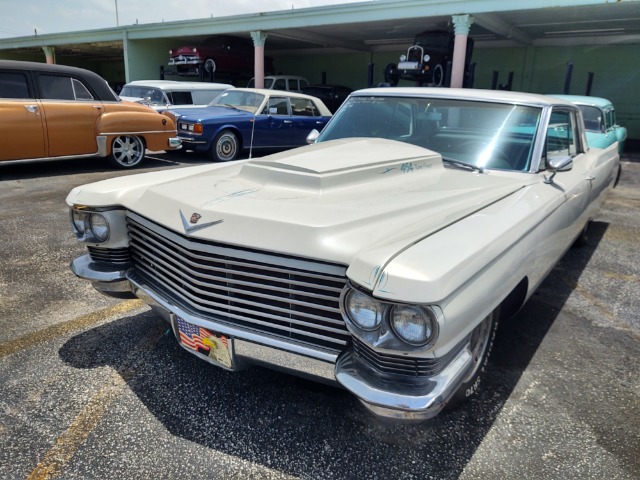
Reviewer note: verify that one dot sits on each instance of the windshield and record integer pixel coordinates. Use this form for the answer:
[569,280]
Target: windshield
[239,99]
[593,119]
[485,135]
[151,95]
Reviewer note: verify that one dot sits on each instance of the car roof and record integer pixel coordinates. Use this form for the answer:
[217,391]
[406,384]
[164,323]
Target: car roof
[271,93]
[99,85]
[274,93]
[499,96]
[585,100]
[176,85]
[277,77]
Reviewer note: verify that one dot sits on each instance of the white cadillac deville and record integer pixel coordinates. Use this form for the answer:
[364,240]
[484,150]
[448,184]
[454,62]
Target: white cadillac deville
[381,258]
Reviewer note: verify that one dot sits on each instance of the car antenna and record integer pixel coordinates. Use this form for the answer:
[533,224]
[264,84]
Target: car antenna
[253,127]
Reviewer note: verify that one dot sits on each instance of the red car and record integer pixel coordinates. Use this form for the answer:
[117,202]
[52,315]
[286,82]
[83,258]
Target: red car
[222,54]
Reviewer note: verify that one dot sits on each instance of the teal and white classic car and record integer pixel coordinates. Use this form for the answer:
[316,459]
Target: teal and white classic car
[600,122]
[381,258]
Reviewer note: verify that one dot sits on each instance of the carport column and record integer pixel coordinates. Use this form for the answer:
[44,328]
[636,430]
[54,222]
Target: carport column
[259,39]
[461,25]
[50,54]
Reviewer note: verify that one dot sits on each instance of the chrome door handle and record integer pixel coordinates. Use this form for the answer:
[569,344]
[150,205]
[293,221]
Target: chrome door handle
[287,121]
[99,107]
[32,108]
[591,179]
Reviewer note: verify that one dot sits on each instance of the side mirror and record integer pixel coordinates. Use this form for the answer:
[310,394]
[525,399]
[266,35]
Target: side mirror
[558,164]
[313,136]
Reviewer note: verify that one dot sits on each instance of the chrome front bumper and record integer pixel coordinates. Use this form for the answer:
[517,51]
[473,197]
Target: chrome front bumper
[418,399]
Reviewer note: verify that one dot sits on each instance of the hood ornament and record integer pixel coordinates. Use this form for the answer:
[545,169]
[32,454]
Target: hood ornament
[193,220]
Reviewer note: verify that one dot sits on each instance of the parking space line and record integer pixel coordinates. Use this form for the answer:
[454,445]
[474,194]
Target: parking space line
[46,334]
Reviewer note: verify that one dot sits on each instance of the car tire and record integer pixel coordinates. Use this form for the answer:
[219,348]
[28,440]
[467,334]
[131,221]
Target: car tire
[438,75]
[480,346]
[583,239]
[127,151]
[225,147]
[209,65]
[389,76]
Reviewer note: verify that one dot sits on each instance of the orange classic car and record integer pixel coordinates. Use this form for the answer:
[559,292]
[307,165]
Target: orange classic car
[55,112]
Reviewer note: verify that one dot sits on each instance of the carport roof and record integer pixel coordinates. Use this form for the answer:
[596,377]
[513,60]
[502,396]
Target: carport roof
[376,26]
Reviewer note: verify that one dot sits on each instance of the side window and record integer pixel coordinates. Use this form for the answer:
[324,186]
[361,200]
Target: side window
[280,84]
[561,138]
[13,85]
[610,119]
[80,91]
[58,87]
[304,107]
[293,85]
[180,98]
[278,106]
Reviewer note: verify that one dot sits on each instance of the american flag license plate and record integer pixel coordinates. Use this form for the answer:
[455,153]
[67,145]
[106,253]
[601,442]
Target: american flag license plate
[216,347]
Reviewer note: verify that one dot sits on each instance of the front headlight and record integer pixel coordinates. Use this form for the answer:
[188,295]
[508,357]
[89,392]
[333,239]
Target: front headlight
[388,324]
[99,227]
[413,324]
[403,58]
[365,311]
[79,219]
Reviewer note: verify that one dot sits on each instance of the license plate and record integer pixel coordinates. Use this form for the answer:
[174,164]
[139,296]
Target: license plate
[216,347]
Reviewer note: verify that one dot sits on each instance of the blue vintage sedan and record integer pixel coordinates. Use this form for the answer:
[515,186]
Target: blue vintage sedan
[600,122]
[250,119]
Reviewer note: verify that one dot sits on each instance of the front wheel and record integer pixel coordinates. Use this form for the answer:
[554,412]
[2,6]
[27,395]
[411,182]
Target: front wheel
[126,151]
[480,345]
[390,74]
[225,147]
[583,238]
[438,75]
[210,65]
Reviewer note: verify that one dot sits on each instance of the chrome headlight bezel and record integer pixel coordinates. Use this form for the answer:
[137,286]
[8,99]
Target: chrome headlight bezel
[98,226]
[385,330]
[360,307]
[428,322]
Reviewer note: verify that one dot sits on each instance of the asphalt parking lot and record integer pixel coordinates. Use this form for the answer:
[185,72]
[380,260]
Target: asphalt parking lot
[94,387]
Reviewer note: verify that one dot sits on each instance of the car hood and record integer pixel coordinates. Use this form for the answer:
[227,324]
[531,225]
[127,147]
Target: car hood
[331,201]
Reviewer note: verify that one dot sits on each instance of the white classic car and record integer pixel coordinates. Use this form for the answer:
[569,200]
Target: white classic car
[380,258]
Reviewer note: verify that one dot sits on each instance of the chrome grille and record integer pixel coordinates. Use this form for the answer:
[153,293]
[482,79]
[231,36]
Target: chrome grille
[283,296]
[109,255]
[401,365]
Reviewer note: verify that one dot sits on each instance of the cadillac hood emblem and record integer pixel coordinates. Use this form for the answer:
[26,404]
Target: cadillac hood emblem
[190,226]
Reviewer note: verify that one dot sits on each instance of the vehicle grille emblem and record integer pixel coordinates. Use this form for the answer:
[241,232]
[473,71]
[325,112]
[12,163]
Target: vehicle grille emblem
[193,220]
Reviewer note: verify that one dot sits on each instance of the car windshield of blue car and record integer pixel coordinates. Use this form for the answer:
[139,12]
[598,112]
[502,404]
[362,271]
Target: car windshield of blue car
[479,134]
[239,100]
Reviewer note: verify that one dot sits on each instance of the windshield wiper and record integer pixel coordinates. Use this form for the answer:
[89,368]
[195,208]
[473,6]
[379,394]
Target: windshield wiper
[463,165]
[226,105]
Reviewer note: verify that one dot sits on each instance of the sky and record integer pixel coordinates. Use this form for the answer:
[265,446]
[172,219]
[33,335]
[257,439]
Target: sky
[22,18]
